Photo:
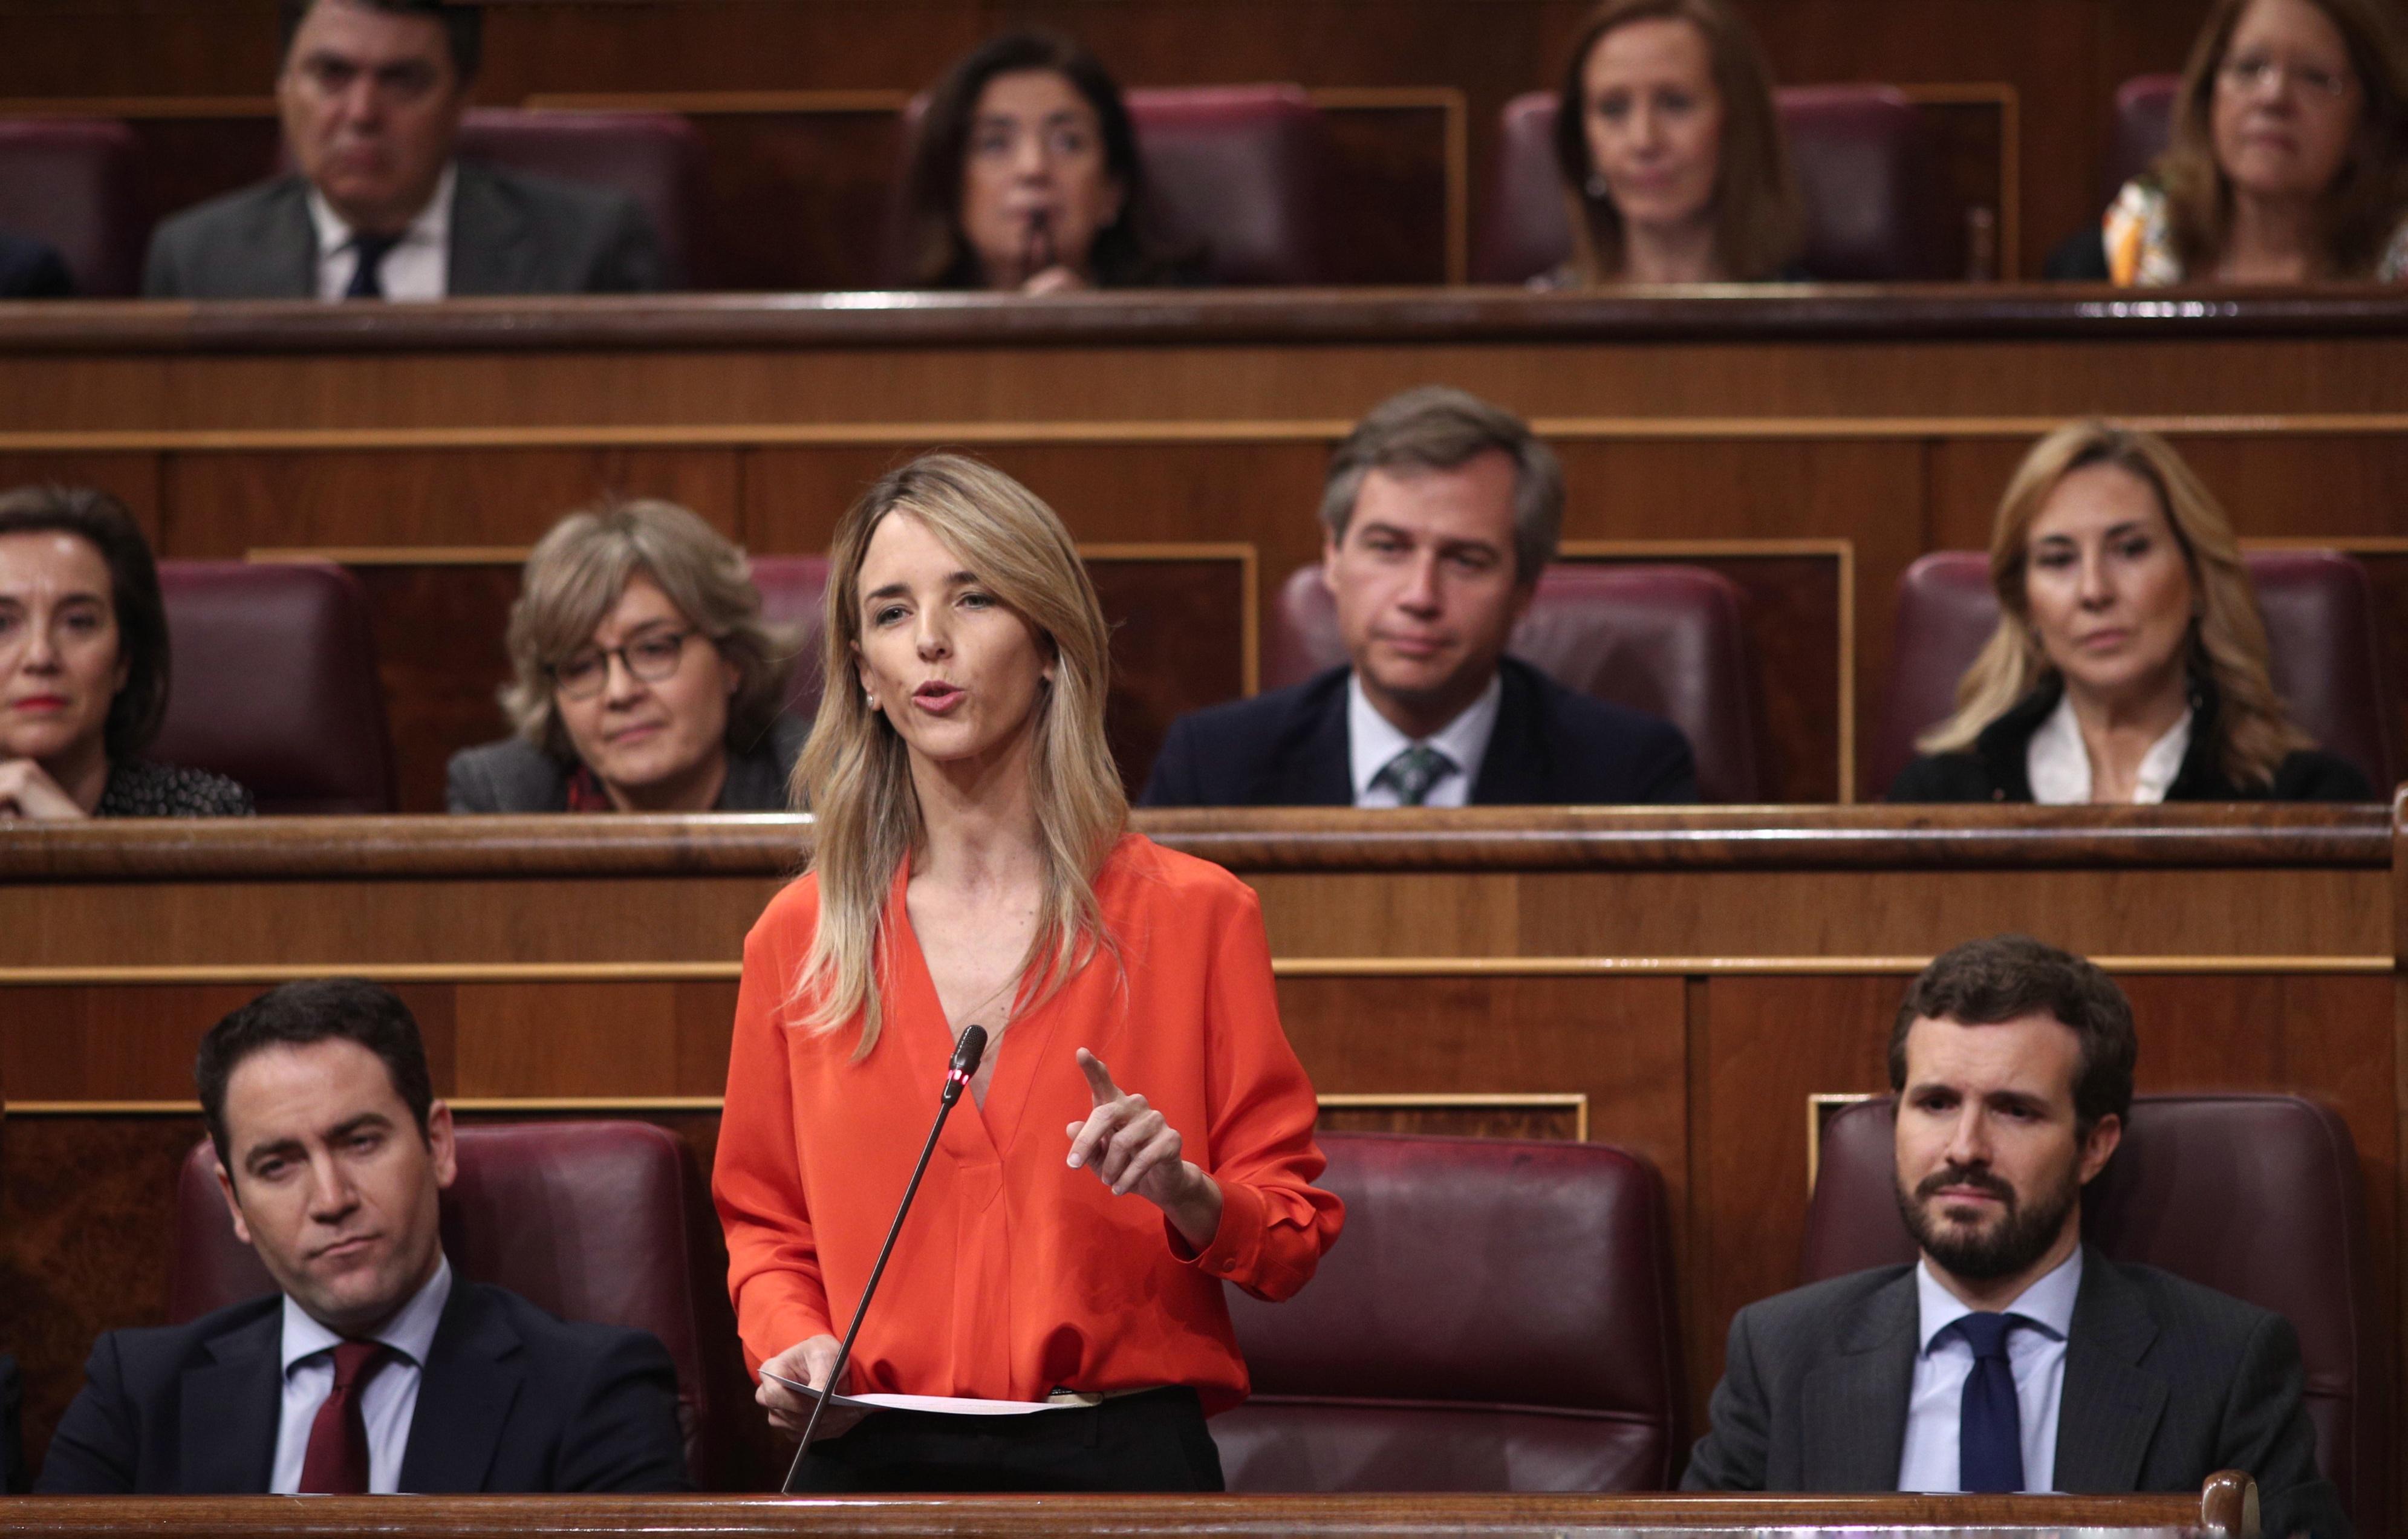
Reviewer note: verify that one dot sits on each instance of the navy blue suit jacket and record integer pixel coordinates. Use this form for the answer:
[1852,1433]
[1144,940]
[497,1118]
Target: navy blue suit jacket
[510,1399]
[1289,748]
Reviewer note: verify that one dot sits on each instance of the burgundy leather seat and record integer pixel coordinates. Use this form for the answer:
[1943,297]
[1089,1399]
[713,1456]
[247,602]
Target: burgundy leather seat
[1496,1317]
[599,1221]
[1665,640]
[2324,648]
[72,181]
[2257,1196]
[2144,120]
[655,157]
[794,592]
[275,683]
[1244,169]
[1866,167]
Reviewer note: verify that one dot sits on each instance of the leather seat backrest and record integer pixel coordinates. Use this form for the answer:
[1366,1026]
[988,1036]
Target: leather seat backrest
[1244,170]
[1671,640]
[274,682]
[2145,121]
[73,183]
[1498,1315]
[2255,1196]
[655,158]
[794,590]
[1865,164]
[2323,644]
[605,1222]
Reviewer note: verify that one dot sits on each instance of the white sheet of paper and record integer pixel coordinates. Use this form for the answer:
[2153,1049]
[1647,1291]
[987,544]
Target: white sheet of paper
[941,1405]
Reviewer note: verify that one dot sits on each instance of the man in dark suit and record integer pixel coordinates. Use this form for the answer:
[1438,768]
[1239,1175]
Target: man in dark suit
[371,95]
[1439,512]
[375,1369]
[2012,1357]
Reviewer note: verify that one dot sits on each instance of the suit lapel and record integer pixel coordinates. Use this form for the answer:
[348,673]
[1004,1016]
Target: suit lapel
[1514,773]
[1856,1432]
[230,1409]
[464,1394]
[289,249]
[2110,1407]
[493,247]
[1312,767]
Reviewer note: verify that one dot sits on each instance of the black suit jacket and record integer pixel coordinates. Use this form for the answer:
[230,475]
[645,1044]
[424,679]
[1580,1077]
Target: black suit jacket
[2166,1382]
[32,270]
[510,234]
[510,1399]
[1289,749]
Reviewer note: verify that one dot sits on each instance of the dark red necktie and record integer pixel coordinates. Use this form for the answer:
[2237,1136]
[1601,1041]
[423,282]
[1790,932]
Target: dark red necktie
[336,1463]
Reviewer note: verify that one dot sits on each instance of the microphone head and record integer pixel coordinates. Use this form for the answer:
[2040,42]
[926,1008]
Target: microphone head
[968,1051]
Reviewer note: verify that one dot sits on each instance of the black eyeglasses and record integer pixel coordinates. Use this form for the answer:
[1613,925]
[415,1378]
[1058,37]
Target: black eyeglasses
[654,658]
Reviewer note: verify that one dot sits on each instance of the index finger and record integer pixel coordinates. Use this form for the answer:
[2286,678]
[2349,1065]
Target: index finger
[1100,1079]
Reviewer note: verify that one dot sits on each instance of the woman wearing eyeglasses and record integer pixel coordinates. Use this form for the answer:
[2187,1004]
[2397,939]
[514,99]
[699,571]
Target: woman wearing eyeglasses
[2288,161]
[646,680]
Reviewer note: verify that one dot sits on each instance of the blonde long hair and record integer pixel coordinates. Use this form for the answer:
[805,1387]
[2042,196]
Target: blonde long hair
[855,773]
[2227,642]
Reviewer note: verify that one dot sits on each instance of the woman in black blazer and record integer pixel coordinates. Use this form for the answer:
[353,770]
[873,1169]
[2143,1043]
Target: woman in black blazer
[2130,662]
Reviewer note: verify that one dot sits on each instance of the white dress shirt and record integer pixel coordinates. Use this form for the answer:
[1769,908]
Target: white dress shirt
[2059,765]
[419,267]
[388,1404]
[2036,1352]
[1372,740]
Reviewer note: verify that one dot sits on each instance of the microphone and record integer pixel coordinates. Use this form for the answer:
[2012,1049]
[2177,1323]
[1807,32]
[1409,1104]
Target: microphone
[968,1050]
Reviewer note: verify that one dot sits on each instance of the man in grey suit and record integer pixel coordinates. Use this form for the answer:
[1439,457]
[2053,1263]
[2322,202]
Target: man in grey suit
[2012,1357]
[371,95]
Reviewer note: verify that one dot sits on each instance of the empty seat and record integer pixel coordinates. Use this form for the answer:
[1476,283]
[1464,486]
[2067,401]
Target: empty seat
[599,1221]
[2324,651]
[653,157]
[275,683]
[71,181]
[2257,1196]
[1243,170]
[1498,1317]
[1866,166]
[1670,641]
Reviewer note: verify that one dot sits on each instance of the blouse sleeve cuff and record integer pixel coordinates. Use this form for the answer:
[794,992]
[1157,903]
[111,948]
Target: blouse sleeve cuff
[1237,1244]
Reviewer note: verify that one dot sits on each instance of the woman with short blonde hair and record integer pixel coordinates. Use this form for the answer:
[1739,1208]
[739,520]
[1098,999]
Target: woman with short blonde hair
[2130,662]
[644,676]
[970,865]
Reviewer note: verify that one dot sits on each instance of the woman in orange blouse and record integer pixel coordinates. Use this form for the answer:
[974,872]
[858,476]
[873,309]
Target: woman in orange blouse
[971,865]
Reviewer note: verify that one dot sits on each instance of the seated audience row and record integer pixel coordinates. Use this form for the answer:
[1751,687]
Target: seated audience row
[2130,661]
[2287,163]
[2013,1355]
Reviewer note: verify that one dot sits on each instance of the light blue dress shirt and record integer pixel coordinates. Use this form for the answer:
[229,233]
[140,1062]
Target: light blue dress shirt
[388,1404]
[1372,740]
[2037,1354]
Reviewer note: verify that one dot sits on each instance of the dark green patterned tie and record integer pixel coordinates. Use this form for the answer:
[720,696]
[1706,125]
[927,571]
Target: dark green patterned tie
[1411,773]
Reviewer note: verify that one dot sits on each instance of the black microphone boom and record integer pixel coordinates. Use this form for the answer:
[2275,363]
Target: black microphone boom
[967,1052]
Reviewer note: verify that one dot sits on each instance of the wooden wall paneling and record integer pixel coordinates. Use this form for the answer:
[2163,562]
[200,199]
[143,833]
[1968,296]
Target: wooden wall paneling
[133,477]
[1975,130]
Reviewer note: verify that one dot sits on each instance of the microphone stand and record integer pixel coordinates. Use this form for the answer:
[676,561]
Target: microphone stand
[967,1052]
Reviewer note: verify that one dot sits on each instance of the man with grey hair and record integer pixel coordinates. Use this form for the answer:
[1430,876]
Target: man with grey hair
[1439,513]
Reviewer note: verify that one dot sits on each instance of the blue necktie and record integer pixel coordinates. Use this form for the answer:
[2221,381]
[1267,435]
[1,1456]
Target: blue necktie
[367,277]
[1989,1428]
[1412,772]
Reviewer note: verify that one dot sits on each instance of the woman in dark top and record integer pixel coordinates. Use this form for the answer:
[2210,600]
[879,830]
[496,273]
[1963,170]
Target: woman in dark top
[83,666]
[1024,177]
[646,678]
[2130,662]
[1670,151]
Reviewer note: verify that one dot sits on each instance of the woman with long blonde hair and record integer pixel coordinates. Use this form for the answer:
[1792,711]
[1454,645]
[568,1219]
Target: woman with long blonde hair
[971,866]
[2130,663]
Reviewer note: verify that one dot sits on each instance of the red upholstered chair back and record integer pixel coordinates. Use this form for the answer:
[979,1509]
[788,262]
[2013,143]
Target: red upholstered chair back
[601,1221]
[2324,651]
[793,591]
[1865,161]
[275,683]
[2145,121]
[653,157]
[72,181]
[2257,1196]
[1665,640]
[1498,1315]
[1243,170]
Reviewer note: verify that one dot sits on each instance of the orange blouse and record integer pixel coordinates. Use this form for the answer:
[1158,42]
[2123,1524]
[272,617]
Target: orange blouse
[1017,1276]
